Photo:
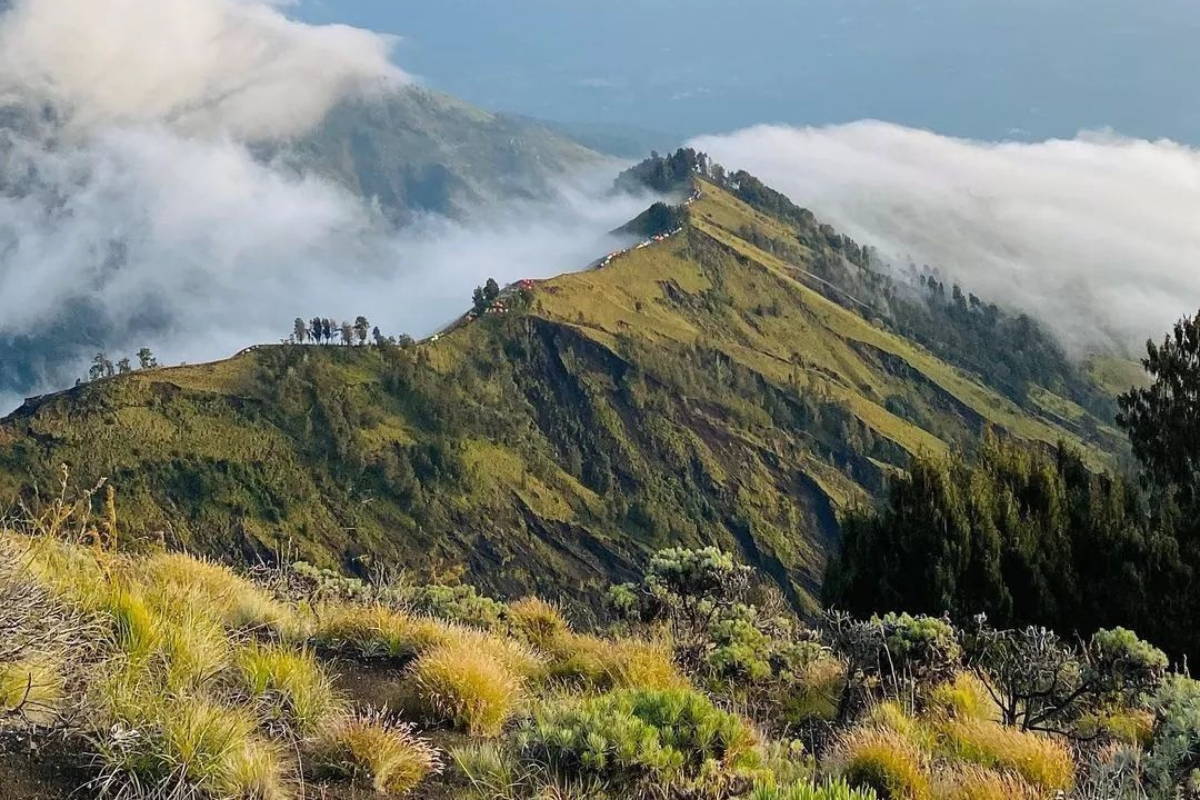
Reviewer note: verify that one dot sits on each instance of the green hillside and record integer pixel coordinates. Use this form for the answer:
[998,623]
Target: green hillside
[718,387]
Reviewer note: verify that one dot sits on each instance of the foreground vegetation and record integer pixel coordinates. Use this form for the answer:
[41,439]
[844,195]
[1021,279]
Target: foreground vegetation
[172,676]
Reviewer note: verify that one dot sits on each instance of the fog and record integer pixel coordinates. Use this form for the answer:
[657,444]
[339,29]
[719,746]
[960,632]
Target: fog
[1095,236]
[129,190]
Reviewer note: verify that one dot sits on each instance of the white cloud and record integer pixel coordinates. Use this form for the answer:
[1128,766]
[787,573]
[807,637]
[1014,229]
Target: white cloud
[1096,236]
[236,67]
[144,203]
[194,247]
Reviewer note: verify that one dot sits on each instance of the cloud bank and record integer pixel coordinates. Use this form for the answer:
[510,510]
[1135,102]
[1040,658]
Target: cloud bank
[237,67]
[1097,236]
[134,211]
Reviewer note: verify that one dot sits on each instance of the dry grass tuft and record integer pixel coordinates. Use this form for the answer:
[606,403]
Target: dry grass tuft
[1040,760]
[467,688]
[368,747]
[881,760]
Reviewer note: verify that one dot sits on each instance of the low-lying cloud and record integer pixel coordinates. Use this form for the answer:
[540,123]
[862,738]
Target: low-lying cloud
[1096,236]
[134,210]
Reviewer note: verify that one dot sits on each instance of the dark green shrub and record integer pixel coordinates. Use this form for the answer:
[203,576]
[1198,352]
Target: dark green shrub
[634,735]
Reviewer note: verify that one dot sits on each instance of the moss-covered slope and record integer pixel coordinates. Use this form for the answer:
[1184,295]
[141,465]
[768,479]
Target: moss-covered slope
[706,389]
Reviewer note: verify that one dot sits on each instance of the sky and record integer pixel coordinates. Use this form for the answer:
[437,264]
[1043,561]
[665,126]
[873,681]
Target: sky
[989,69]
[135,190]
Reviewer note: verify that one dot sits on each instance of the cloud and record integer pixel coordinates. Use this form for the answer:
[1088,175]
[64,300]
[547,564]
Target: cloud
[198,249]
[235,67]
[1095,236]
[140,212]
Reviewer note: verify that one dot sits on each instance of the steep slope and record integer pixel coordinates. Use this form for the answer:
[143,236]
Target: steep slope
[698,389]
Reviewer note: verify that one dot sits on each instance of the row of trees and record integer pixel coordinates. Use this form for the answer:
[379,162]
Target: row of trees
[1030,536]
[104,367]
[324,330]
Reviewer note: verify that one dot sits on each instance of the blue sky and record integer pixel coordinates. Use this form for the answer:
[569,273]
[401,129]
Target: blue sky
[992,69]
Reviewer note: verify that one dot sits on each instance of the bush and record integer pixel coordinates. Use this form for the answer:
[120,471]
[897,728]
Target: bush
[369,747]
[1118,662]
[461,604]
[540,623]
[1040,760]
[634,735]
[1171,762]
[462,686]
[291,690]
[883,761]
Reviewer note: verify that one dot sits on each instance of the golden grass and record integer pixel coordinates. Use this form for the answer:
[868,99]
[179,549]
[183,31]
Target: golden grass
[977,783]
[537,621]
[469,689]
[614,663]
[817,691]
[289,687]
[176,578]
[964,697]
[882,760]
[1040,760]
[386,755]
[33,688]
[374,631]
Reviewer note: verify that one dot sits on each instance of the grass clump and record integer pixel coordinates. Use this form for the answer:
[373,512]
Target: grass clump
[834,790]
[32,689]
[540,623]
[370,748]
[964,697]
[977,783]
[164,746]
[1040,760]
[292,692]
[176,579]
[884,761]
[465,687]
[376,631]
[632,736]
[607,664]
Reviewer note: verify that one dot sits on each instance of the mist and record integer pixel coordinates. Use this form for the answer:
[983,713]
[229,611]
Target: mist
[1096,236]
[134,211]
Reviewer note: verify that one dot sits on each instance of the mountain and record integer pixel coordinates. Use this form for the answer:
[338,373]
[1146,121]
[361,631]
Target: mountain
[408,152]
[416,150]
[737,383]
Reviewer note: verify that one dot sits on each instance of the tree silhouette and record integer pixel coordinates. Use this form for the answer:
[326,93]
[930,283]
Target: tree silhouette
[300,331]
[362,329]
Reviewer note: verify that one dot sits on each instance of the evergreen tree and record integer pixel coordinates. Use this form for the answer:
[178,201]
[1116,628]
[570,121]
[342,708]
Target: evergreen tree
[300,330]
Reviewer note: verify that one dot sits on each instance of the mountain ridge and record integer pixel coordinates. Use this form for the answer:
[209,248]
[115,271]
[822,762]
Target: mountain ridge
[695,390]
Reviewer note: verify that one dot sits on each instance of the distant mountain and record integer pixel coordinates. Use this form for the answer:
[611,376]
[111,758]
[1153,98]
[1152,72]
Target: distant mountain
[416,150]
[410,151]
[737,383]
